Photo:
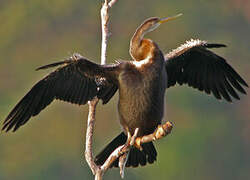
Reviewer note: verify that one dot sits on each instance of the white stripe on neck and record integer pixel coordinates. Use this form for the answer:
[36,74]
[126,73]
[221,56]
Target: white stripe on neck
[140,63]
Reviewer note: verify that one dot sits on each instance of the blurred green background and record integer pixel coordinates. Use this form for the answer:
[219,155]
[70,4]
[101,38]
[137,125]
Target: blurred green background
[210,139]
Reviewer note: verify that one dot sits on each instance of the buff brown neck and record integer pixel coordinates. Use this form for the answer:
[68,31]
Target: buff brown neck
[141,48]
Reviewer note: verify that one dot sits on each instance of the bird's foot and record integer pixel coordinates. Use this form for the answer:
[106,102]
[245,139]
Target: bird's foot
[129,137]
[138,143]
[134,140]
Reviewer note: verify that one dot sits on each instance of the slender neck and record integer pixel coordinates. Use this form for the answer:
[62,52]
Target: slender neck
[135,43]
[140,48]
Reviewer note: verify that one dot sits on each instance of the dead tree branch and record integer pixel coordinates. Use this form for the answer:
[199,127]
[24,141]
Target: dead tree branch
[122,152]
[89,135]
[92,104]
[161,131]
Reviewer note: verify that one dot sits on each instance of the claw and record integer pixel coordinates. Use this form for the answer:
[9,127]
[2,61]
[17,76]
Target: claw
[138,143]
[128,137]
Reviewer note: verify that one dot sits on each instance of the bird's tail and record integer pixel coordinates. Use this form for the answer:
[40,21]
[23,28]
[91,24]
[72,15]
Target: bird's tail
[135,158]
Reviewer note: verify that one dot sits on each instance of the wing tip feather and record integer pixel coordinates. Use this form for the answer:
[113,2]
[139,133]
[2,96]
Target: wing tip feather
[54,64]
[215,45]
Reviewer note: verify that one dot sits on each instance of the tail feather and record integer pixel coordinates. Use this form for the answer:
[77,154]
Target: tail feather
[104,154]
[135,158]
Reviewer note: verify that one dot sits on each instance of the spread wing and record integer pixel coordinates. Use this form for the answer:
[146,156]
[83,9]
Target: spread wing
[77,81]
[193,64]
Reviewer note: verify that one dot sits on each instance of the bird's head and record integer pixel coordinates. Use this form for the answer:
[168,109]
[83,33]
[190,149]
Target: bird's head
[140,48]
[152,23]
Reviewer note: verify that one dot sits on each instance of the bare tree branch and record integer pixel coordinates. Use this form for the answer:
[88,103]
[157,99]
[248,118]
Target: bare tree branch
[112,2]
[105,33]
[122,163]
[161,131]
[92,104]
[89,134]
[121,150]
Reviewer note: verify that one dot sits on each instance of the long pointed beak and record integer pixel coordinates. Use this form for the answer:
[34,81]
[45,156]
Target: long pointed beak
[163,20]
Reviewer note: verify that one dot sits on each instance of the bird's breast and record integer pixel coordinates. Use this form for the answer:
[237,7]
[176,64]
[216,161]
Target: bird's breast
[141,94]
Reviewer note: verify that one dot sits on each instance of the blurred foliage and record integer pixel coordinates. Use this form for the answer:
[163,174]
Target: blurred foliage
[210,139]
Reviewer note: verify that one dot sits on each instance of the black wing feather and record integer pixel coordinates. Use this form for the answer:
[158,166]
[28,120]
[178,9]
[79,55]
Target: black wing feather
[74,82]
[193,64]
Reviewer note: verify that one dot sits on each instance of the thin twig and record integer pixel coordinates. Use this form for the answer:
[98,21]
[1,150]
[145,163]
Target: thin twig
[122,163]
[119,151]
[161,131]
[105,33]
[112,2]
[89,134]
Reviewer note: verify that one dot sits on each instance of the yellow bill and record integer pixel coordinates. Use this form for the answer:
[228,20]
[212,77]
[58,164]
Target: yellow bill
[163,20]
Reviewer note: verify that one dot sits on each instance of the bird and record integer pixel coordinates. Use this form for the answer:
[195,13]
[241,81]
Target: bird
[140,82]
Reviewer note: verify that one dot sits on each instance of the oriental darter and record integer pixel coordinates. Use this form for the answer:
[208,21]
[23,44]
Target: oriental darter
[141,83]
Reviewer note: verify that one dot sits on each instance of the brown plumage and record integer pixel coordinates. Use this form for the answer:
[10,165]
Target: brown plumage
[141,83]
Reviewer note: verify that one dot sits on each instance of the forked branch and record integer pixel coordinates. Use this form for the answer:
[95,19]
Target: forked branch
[92,104]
